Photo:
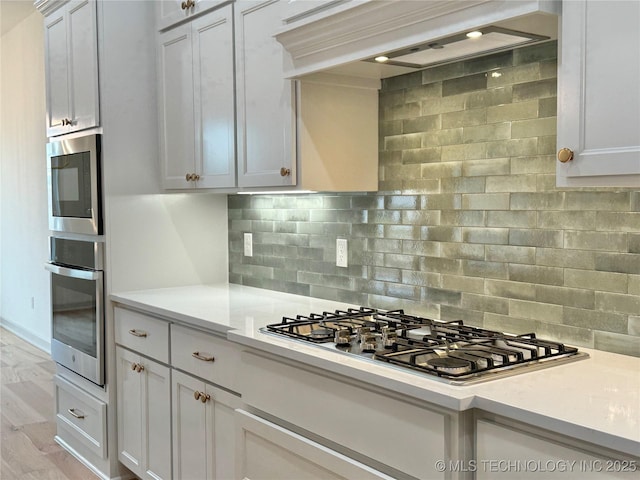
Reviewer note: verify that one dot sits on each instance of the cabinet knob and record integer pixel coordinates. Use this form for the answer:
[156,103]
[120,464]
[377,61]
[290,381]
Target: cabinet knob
[188,4]
[285,172]
[192,177]
[203,397]
[139,368]
[565,155]
[196,395]
[134,366]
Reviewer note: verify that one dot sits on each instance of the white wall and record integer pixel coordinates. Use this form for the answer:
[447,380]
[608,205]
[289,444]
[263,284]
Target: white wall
[23,200]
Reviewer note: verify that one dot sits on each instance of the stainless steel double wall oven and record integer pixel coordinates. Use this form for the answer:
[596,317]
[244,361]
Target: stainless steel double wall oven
[76,258]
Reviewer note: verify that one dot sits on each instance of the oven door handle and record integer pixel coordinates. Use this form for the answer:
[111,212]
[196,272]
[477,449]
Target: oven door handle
[72,272]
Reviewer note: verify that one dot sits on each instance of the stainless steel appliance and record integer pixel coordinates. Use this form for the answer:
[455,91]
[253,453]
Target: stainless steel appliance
[77,298]
[450,351]
[74,185]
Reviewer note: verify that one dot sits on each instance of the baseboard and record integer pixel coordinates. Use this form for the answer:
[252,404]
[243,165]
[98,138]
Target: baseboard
[26,335]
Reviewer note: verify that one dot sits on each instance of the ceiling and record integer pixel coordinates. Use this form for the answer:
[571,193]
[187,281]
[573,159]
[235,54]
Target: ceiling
[13,12]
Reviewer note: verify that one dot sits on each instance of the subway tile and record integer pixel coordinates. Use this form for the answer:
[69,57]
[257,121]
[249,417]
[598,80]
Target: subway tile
[484,235]
[618,262]
[493,166]
[588,240]
[486,133]
[399,290]
[474,268]
[533,128]
[395,202]
[546,182]
[568,220]
[603,201]
[603,281]
[441,265]
[618,221]
[401,81]
[399,173]
[423,279]
[403,232]
[510,289]
[634,285]
[421,217]
[534,90]
[465,84]
[445,201]
[485,201]
[368,201]
[510,112]
[464,218]
[511,183]
[469,317]
[510,254]
[536,274]
[418,124]
[449,136]
[441,170]
[562,257]
[517,147]
[617,343]
[444,233]
[488,98]
[396,260]
[535,53]
[442,72]
[509,323]
[543,312]
[548,107]
[574,297]
[595,320]
[537,201]
[391,99]
[567,334]
[463,284]
[401,112]
[440,296]
[634,325]
[432,106]
[465,118]
[549,69]
[462,250]
[511,219]
[618,303]
[421,155]
[389,127]
[402,142]
[421,92]
[384,217]
[421,185]
[508,76]
[384,245]
[463,185]
[485,303]
[489,62]
[547,146]
[455,153]
[536,237]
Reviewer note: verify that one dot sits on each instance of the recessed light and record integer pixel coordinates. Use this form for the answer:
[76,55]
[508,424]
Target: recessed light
[381,59]
[474,34]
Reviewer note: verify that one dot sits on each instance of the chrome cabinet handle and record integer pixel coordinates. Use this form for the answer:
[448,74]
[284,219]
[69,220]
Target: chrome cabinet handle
[137,333]
[204,358]
[72,411]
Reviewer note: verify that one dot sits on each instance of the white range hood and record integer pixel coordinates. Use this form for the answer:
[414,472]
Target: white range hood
[411,34]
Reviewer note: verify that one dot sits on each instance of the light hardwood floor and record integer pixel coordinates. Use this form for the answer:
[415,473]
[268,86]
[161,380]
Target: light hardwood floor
[27,418]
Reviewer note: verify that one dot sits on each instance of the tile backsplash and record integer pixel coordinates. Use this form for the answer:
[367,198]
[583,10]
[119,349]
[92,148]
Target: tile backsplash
[467,222]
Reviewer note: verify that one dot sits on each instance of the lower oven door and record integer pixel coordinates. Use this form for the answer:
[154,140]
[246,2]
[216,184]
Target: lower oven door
[77,301]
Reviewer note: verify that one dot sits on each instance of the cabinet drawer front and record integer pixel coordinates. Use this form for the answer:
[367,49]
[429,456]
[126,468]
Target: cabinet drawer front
[82,416]
[207,356]
[146,335]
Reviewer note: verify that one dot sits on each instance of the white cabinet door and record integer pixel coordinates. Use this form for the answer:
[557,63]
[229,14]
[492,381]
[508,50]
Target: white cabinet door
[196,102]
[508,453]
[264,97]
[144,427]
[598,94]
[203,430]
[214,99]
[71,68]
[268,451]
[176,106]
[170,12]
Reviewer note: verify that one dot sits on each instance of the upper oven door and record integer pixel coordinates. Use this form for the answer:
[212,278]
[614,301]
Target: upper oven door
[73,178]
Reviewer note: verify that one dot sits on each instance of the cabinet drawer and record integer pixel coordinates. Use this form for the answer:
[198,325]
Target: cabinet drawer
[207,356]
[142,333]
[82,416]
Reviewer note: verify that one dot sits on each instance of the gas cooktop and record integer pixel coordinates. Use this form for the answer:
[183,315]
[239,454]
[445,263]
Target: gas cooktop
[450,351]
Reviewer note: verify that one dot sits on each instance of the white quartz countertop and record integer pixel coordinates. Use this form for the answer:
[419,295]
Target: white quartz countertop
[596,399]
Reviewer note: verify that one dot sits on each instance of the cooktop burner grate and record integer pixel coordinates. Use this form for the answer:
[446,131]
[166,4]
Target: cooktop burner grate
[446,349]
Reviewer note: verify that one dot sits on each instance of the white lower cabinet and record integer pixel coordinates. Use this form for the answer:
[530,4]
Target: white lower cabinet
[203,429]
[144,410]
[509,450]
[268,451]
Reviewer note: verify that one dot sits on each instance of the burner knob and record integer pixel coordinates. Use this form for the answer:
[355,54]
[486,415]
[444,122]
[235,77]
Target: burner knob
[342,337]
[388,337]
[368,342]
[362,332]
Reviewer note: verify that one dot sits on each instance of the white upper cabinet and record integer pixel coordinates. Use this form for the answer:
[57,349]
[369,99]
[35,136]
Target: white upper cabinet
[599,94]
[171,12]
[265,100]
[320,134]
[71,68]
[196,98]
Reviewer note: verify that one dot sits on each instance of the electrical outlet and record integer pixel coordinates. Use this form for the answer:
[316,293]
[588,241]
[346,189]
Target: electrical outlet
[341,253]
[248,245]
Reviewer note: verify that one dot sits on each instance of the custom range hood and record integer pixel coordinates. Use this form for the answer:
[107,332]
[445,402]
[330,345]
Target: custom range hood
[382,38]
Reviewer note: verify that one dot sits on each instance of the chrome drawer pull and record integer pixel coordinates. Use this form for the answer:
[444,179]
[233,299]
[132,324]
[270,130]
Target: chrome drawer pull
[72,411]
[202,357]
[136,333]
